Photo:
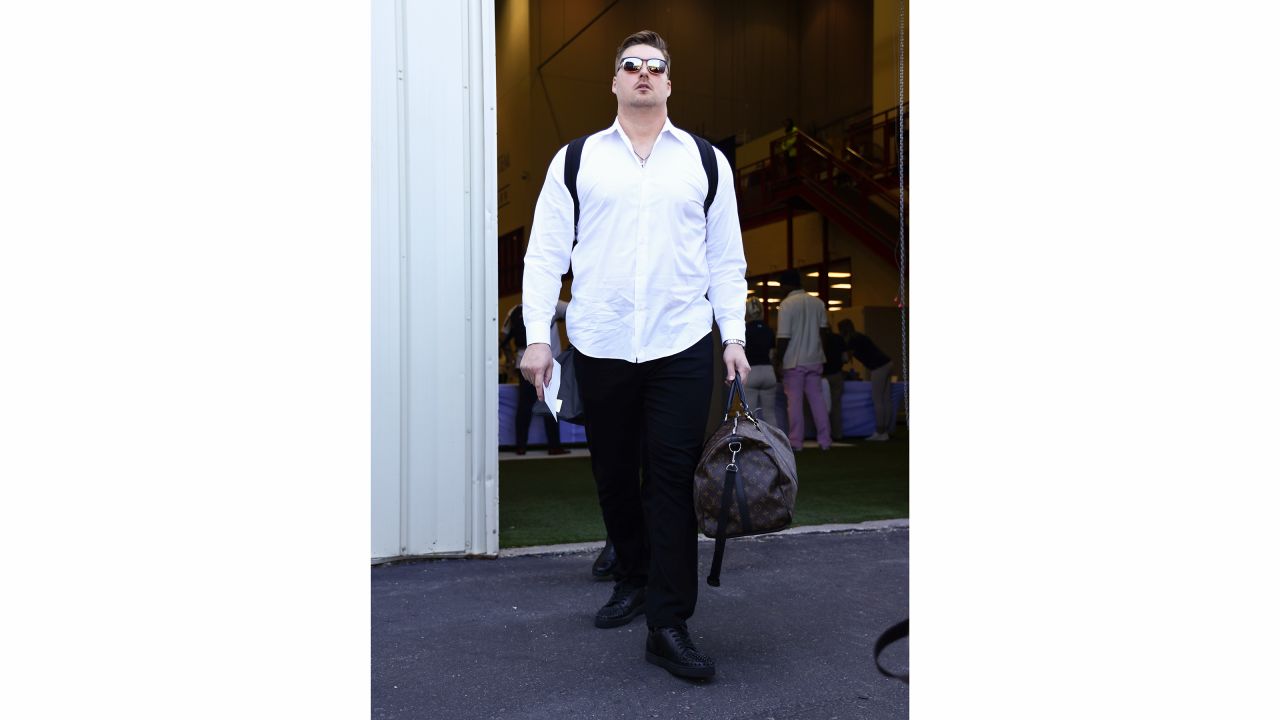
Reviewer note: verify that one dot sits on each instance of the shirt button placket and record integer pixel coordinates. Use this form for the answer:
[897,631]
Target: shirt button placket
[642,264]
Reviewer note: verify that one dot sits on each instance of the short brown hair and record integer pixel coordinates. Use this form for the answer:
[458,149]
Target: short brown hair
[644,37]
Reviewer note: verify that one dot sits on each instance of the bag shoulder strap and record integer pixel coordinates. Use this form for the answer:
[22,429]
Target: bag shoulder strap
[887,638]
[722,528]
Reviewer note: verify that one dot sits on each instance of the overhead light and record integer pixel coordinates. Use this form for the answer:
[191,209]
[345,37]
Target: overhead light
[760,283]
[835,302]
[751,291]
[835,273]
[813,274]
[813,293]
[772,300]
[773,283]
[842,286]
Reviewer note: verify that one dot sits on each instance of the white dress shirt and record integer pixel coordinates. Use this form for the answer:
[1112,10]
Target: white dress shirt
[649,270]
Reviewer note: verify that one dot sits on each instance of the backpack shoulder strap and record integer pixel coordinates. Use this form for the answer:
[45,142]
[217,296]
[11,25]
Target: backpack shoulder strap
[572,161]
[712,168]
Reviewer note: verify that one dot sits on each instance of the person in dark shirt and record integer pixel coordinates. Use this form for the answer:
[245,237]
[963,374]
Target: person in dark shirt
[878,366]
[833,372]
[514,336]
[761,386]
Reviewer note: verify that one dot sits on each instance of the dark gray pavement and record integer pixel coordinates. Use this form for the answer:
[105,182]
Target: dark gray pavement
[791,629]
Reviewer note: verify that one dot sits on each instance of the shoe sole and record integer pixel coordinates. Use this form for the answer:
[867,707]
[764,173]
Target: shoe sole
[619,622]
[677,669]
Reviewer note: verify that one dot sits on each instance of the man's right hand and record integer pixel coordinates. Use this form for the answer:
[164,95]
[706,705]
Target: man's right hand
[536,366]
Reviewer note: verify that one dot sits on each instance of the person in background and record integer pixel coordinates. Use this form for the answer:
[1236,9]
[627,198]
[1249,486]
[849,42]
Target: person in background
[788,146]
[761,386]
[513,335]
[799,359]
[606,563]
[833,371]
[878,365]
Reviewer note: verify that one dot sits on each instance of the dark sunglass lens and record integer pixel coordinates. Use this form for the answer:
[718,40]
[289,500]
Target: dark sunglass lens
[657,67]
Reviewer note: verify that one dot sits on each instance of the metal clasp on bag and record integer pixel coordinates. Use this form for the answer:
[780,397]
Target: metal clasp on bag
[735,447]
[746,411]
[747,414]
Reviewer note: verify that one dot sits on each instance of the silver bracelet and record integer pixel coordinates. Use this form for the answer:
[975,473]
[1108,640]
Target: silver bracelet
[735,342]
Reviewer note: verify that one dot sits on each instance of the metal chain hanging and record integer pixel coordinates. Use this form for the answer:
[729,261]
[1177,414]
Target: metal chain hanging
[902,214]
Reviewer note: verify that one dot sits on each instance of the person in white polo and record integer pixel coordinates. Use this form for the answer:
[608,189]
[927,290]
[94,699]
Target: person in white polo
[799,359]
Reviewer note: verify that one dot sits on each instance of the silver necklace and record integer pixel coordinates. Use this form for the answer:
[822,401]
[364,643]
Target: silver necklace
[644,159]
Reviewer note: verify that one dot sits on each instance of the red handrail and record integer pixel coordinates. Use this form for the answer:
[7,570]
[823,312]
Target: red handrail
[828,183]
[804,143]
[886,130]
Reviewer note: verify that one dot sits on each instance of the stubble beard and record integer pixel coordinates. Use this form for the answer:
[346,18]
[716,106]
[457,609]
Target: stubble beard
[645,101]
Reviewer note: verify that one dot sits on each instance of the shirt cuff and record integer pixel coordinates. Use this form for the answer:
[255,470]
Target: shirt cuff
[732,330]
[540,334]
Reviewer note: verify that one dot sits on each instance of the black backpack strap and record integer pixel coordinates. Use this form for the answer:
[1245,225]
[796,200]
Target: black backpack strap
[712,168]
[887,638]
[572,161]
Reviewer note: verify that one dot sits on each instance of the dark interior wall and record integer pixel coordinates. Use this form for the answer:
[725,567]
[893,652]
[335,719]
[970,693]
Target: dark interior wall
[835,62]
[739,67]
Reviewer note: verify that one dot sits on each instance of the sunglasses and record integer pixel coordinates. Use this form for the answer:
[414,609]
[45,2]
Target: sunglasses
[655,66]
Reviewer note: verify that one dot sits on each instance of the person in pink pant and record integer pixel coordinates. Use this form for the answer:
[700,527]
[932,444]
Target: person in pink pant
[799,359]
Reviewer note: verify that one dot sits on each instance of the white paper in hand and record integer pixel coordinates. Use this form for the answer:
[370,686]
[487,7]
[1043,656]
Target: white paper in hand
[551,393]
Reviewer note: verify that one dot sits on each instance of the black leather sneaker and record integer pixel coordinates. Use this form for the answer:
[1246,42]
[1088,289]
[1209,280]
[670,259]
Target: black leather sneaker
[624,605]
[606,562]
[671,648]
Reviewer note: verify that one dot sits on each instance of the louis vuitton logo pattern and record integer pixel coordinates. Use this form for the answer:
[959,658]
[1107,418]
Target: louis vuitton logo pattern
[766,474]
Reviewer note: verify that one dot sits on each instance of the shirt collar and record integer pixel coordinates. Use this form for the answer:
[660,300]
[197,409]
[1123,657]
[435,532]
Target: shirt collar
[667,128]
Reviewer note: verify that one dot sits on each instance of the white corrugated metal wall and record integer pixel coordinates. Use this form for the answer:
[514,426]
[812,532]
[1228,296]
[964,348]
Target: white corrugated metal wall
[435,448]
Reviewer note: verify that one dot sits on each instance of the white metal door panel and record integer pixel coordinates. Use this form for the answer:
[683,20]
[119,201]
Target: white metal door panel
[386,479]
[435,300]
[435,114]
[482,182]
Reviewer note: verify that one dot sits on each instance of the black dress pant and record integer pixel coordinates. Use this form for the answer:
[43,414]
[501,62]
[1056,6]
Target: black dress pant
[525,399]
[647,420]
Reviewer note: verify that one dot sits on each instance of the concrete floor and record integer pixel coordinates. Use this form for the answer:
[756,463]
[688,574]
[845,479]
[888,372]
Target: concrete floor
[791,629]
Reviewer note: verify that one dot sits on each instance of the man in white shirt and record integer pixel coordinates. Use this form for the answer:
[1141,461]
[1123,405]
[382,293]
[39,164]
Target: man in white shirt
[650,273]
[800,315]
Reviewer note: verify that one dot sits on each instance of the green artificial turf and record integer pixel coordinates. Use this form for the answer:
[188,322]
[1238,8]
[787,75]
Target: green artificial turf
[548,502]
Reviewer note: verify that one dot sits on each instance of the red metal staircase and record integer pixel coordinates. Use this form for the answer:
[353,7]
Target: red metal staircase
[856,188]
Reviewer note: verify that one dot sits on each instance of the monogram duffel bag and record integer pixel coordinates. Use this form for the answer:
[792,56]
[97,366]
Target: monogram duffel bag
[745,483]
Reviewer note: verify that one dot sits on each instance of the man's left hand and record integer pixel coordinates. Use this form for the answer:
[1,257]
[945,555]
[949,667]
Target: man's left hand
[735,363]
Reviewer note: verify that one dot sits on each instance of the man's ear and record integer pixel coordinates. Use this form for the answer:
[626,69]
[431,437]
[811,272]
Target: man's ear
[613,87]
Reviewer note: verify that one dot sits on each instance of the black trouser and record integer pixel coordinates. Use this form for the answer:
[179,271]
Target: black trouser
[650,416]
[524,414]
